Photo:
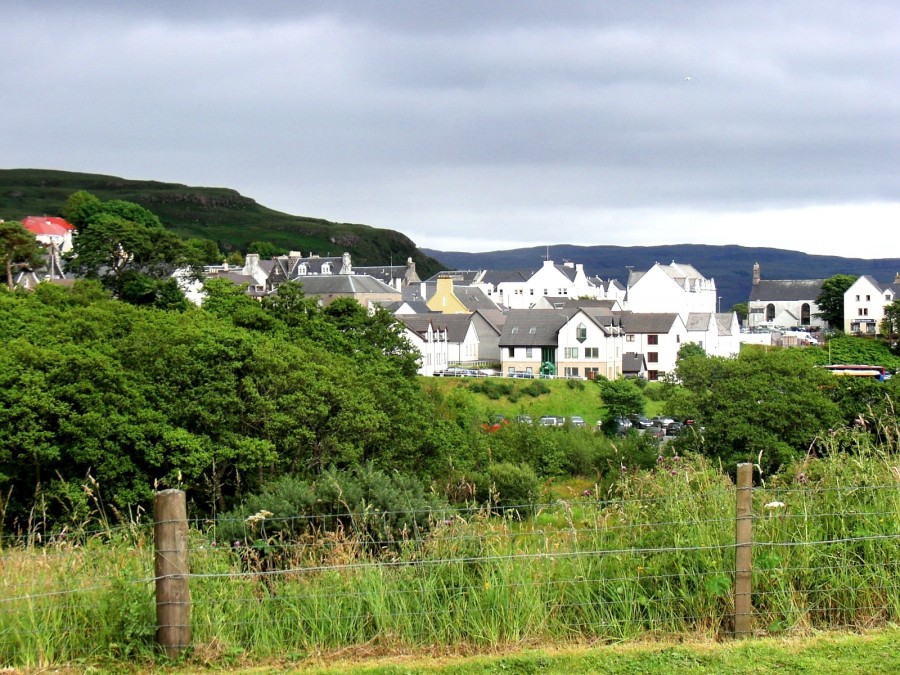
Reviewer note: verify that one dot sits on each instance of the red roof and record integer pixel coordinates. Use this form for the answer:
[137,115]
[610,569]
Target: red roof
[47,226]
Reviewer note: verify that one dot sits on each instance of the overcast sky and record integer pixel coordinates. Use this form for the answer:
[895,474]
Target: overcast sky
[483,125]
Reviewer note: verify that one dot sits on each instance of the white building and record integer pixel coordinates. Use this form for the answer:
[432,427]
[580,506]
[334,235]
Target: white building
[671,288]
[864,304]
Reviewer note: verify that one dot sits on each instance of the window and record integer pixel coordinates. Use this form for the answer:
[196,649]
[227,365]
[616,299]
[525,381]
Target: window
[863,311]
[629,338]
[652,357]
[653,375]
[512,370]
[530,291]
[678,339]
[581,332]
[868,297]
[571,352]
[528,370]
[857,298]
[592,352]
[770,311]
[805,314]
[527,352]
[514,330]
[591,373]
[653,339]
[512,352]
[570,372]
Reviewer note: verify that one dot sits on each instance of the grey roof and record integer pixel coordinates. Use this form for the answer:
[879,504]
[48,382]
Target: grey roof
[502,276]
[473,298]
[575,303]
[456,325]
[461,276]
[648,322]
[494,317]
[684,274]
[698,320]
[894,285]
[566,271]
[344,283]
[774,290]
[632,363]
[532,328]
[724,321]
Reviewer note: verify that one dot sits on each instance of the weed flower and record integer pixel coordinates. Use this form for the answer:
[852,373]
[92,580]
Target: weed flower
[774,505]
[258,517]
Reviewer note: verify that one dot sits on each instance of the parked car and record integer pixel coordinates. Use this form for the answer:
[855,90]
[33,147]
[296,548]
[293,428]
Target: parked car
[547,421]
[663,422]
[641,421]
[623,424]
[576,421]
[674,429]
[524,419]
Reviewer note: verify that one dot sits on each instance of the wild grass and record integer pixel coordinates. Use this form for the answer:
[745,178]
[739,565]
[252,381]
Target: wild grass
[652,558]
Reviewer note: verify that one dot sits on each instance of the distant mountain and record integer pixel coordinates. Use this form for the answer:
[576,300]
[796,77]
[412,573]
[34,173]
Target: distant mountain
[225,216]
[730,266]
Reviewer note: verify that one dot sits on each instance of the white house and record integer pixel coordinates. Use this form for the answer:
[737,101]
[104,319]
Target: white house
[521,290]
[671,288]
[577,342]
[430,342]
[864,304]
[657,336]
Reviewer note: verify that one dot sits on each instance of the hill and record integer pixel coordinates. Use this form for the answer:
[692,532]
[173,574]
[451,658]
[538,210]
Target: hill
[730,266]
[223,215]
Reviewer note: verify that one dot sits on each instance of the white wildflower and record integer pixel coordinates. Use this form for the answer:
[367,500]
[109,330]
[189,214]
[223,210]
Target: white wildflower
[775,505]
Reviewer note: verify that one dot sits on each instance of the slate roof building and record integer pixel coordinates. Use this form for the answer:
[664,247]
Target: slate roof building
[784,303]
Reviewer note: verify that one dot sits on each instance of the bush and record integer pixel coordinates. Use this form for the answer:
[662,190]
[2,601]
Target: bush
[381,509]
[493,388]
[537,388]
[575,385]
[511,488]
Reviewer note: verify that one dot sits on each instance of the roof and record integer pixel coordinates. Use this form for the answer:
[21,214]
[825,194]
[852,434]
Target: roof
[47,226]
[456,325]
[532,328]
[725,323]
[505,276]
[698,320]
[349,284]
[774,290]
[640,322]
[461,276]
[632,363]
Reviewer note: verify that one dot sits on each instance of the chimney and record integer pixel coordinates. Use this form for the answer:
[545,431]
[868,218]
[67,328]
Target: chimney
[897,278]
[755,274]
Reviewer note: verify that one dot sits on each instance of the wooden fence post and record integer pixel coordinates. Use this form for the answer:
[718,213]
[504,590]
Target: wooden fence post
[743,536]
[173,596]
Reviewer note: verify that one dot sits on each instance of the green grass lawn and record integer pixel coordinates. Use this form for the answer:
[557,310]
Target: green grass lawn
[565,398]
[873,652]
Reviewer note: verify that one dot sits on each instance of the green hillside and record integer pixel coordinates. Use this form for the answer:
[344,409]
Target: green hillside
[220,214]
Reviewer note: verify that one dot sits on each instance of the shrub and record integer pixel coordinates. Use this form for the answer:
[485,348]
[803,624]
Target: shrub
[379,508]
[575,385]
[537,388]
[511,488]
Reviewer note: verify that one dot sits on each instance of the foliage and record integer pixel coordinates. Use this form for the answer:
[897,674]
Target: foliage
[890,325]
[689,349]
[382,509]
[265,249]
[742,309]
[510,488]
[831,298]
[18,250]
[621,398]
[764,407]
[125,246]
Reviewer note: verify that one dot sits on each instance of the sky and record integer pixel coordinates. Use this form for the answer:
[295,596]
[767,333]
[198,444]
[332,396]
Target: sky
[478,126]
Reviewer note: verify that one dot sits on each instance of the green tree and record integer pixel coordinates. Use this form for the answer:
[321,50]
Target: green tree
[765,407]
[890,325]
[689,350]
[831,298]
[265,249]
[125,246]
[621,398]
[18,249]
[742,309]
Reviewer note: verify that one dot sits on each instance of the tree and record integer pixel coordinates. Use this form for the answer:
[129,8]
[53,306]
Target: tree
[764,407]
[742,309]
[120,243]
[690,349]
[621,398]
[18,249]
[890,325]
[265,249]
[831,298]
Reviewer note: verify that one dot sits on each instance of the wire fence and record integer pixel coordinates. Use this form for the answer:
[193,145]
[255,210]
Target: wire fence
[656,561]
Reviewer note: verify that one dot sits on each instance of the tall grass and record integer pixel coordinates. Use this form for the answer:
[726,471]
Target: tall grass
[652,557]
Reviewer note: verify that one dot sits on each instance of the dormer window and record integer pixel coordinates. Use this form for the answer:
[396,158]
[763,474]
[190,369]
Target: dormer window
[326,268]
[581,332]
[302,270]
